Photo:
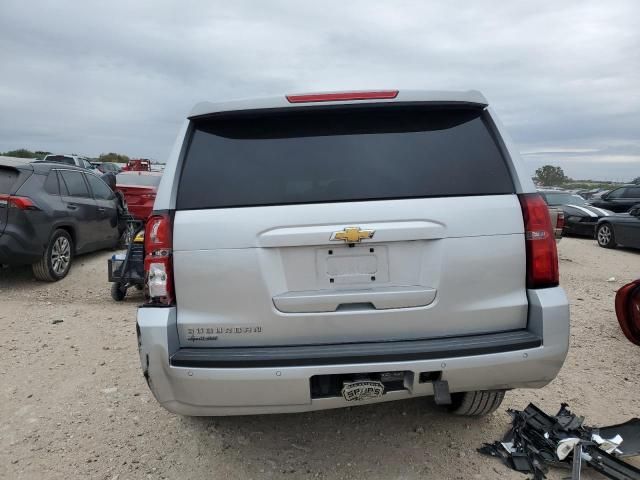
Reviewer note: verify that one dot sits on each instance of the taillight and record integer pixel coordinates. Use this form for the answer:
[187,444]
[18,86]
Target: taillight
[560,221]
[342,96]
[23,203]
[542,256]
[158,260]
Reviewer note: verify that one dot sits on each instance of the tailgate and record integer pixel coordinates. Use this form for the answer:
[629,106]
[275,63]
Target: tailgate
[252,278]
[337,226]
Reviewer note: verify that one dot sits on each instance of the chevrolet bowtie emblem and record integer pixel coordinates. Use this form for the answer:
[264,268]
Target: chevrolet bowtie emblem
[352,235]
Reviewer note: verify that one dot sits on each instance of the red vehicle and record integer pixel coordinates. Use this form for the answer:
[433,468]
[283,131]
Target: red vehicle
[628,311]
[139,190]
[138,165]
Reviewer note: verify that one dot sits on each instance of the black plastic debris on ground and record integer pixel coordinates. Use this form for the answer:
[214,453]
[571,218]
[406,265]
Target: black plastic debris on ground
[537,441]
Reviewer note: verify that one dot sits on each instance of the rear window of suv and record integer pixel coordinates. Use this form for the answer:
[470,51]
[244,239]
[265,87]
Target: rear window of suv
[334,155]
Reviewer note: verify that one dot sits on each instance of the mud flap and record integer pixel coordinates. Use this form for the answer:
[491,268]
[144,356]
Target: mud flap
[441,393]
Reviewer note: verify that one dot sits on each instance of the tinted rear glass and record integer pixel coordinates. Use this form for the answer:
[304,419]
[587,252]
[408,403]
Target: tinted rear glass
[99,188]
[75,183]
[633,192]
[340,155]
[564,199]
[8,177]
[110,167]
[51,183]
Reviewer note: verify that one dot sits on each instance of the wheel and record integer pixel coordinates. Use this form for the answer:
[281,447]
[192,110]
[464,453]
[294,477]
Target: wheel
[605,236]
[118,292]
[56,259]
[476,403]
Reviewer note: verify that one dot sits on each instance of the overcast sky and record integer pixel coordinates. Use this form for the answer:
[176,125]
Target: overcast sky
[93,77]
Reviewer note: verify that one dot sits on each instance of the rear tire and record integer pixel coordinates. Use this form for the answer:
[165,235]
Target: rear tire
[117,292]
[605,237]
[56,258]
[476,404]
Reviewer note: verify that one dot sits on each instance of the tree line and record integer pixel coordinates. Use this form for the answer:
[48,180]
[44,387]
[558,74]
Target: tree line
[552,176]
[24,153]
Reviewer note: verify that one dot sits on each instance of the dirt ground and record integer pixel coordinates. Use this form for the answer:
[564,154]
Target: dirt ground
[73,402]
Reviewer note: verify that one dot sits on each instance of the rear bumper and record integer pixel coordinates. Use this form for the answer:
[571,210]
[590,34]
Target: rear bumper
[354,353]
[16,250]
[265,380]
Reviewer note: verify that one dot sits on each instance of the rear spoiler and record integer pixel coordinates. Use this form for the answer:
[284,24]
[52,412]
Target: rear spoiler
[467,99]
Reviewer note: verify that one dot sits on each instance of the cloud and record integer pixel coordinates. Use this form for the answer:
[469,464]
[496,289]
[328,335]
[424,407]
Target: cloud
[120,76]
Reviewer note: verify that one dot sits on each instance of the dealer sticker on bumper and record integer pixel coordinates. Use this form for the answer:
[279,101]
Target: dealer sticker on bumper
[362,390]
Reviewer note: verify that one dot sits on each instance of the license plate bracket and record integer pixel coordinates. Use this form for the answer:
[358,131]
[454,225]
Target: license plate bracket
[359,390]
[344,265]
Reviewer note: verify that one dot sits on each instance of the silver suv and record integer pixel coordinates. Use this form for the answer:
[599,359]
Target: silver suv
[327,250]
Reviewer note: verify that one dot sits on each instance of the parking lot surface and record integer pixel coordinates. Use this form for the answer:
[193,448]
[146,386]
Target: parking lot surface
[74,404]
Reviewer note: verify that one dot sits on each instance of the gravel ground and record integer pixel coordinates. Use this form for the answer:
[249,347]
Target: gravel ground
[73,403]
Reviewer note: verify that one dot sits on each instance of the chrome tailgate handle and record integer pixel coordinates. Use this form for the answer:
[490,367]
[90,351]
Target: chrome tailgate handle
[330,300]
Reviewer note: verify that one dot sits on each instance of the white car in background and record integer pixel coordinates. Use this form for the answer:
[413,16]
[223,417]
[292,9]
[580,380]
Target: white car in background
[76,160]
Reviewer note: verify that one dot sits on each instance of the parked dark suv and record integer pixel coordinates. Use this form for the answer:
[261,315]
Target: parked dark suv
[619,200]
[50,212]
